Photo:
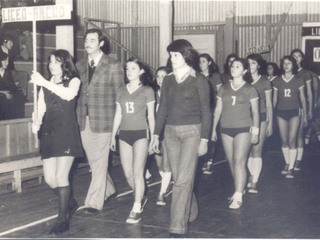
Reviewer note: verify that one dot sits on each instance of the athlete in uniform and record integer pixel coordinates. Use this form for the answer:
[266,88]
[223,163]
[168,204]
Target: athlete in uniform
[306,76]
[211,71]
[161,158]
[60,139]
[273,71]
[264,89]
[288,98]
[238,108]
[134,119]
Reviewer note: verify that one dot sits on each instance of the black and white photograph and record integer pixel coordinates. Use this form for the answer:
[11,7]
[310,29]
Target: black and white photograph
[159,119]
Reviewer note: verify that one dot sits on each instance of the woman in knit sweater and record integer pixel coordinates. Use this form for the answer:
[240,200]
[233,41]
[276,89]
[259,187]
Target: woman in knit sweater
[185,109]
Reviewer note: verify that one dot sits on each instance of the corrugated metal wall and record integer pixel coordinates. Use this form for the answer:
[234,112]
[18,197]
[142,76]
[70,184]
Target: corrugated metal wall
[255,21]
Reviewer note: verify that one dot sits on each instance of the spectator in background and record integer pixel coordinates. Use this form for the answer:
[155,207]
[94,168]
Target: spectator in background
[11,99]
[20,77]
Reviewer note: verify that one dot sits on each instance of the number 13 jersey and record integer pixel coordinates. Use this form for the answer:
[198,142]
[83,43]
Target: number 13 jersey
[134,107]
[236,105]
[288,92]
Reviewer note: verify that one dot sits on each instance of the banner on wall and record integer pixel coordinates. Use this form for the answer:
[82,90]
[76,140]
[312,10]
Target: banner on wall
[311,45]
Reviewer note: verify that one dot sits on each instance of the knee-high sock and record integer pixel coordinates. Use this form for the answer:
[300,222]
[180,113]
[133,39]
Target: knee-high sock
[299,154]
[165,182]
[63,195]
[293,157]
[257,169]
[286,155]
[161,173]
[250,165]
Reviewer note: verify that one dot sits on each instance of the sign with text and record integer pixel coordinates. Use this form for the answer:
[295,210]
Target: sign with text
[37,13]
[259,49]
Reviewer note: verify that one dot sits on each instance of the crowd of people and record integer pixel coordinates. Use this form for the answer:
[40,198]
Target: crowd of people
[178,116]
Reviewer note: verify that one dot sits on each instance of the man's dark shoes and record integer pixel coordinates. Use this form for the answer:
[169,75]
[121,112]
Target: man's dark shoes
[90,210]
[111,197]
[59,227]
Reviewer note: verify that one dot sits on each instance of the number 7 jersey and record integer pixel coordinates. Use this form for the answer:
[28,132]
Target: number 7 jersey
[236,105]
[288,92]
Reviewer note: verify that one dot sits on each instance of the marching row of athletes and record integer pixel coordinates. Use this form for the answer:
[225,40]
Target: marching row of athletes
[176,116]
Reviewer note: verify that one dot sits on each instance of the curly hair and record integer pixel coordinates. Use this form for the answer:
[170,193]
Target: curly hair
[213,67]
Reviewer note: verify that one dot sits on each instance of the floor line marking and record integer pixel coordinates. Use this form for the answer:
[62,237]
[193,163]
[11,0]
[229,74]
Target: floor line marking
[54,216]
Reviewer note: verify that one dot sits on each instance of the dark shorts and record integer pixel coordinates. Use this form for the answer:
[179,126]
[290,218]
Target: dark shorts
[288,114]
[131,136]
[233,132]
[263,117]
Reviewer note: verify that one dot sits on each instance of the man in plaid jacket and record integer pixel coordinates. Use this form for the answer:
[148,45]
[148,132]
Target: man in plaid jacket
[101,76]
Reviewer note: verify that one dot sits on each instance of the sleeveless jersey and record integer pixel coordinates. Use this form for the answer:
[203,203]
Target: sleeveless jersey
[288,92]
[236,110]
[134,107]
[262,85]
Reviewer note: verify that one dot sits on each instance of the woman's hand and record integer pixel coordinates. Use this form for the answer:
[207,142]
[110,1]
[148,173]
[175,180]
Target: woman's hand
[203,147]
[35,127]
[36,78]
[113,144]
[269,130]
[155,144]
[150,148]
[214,136]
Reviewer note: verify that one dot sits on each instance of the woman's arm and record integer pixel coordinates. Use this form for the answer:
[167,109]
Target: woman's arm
[216,118]
[37,117]
[275,98]
[151,121]
[269,113]
[256,121]
[116,125]
[304,105]
[310,99]
[66,93]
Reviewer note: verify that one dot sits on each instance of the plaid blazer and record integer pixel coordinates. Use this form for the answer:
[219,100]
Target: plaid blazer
[100,95]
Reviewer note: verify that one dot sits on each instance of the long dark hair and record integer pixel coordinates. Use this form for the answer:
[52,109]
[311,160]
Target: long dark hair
[69,70]
[226,64]
[247,76]
[276,69]
[297,50]
[295,66]
[261,62]
[146,78]
[213,67]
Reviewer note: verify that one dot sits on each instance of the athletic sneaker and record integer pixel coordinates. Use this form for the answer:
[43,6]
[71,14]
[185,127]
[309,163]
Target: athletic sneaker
[209,168]
[285,170]
[161,199]
[297,166]
[249,181]
[133,217]
[235,203]
[253,188]
[289,174]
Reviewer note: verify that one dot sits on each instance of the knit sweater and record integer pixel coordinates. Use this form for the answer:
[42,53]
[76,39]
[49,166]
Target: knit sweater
[185,103]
